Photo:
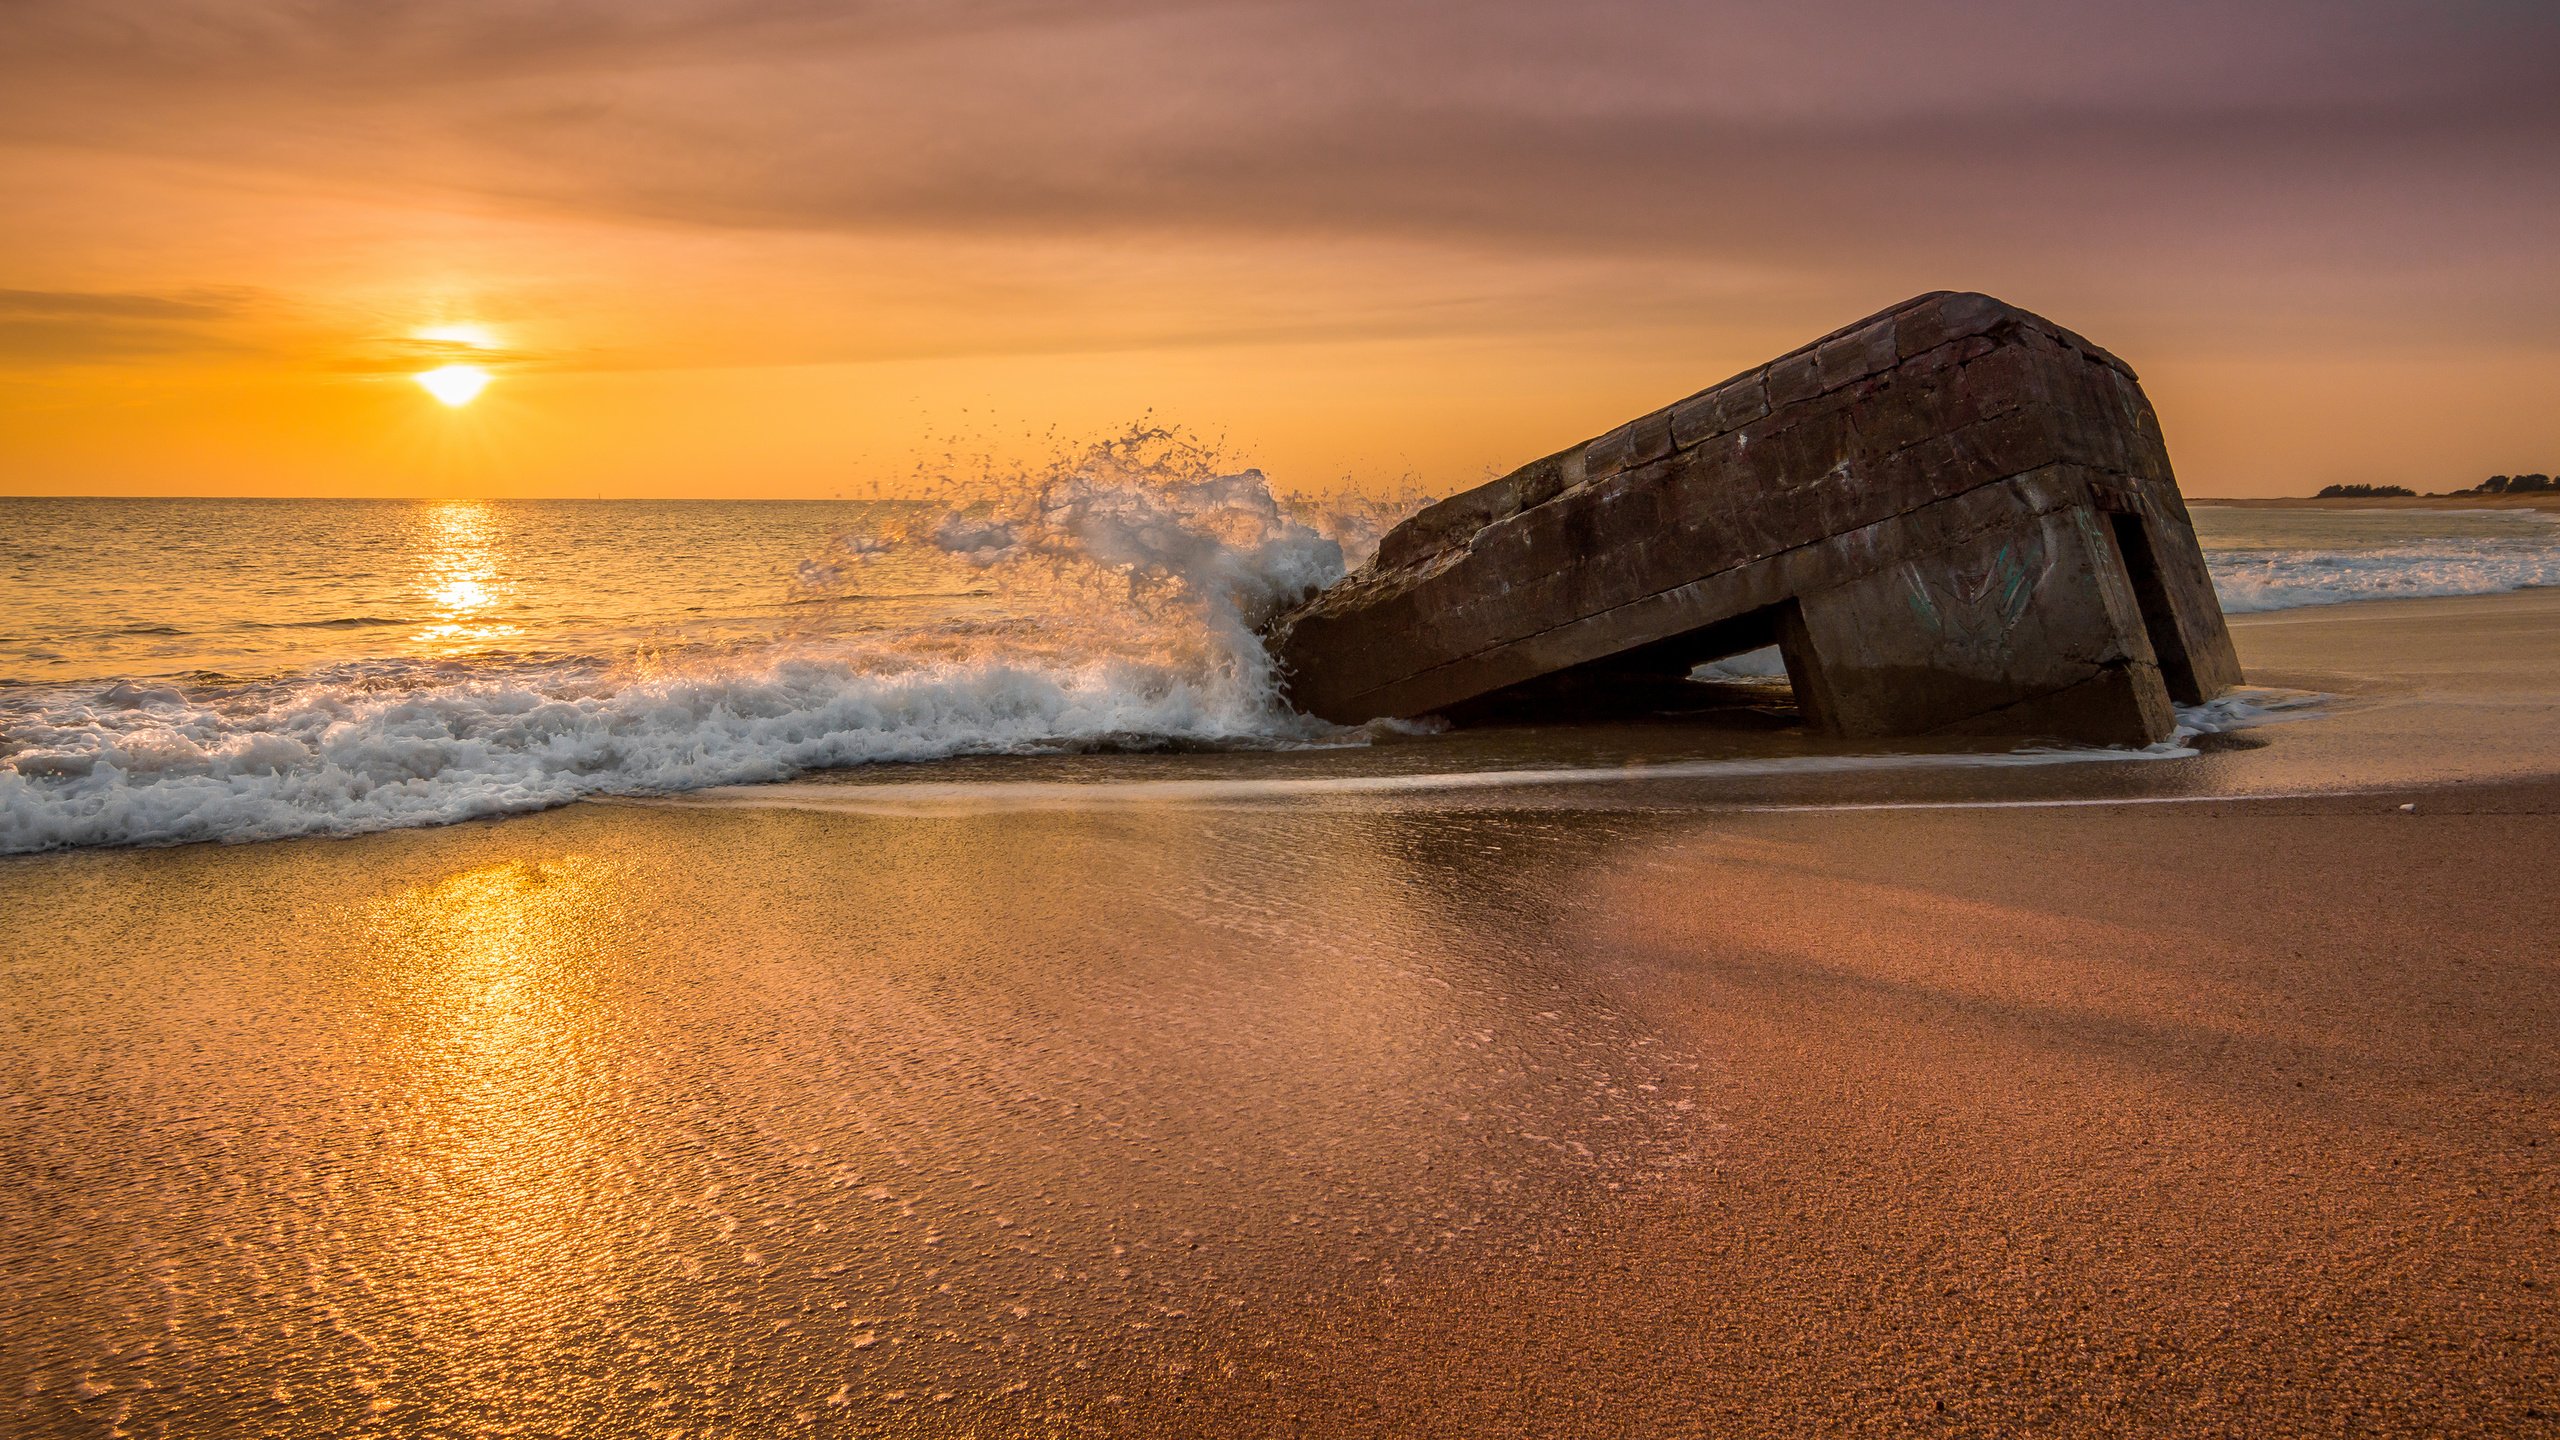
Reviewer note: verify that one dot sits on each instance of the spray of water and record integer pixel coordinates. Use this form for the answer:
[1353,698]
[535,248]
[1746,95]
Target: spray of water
[1110,600]
[1142,552]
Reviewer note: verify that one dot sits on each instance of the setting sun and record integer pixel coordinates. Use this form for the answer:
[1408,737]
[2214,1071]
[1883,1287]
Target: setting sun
[455,385]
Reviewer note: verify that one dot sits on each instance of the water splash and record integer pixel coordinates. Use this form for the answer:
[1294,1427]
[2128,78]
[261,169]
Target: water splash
[1110,599]
[1142,549]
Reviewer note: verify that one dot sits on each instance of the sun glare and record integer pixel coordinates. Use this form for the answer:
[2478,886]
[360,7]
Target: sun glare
[455,385]
[478,337]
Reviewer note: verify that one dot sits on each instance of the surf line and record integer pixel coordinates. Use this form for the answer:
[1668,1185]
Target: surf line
[992,798]
[929,796]
[2076,802]
[2243,710]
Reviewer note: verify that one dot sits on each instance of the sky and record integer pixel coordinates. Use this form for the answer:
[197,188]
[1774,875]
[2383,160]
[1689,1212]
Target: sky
[791,248]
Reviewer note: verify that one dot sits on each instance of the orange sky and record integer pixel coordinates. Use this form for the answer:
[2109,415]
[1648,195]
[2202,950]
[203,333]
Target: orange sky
[795,248]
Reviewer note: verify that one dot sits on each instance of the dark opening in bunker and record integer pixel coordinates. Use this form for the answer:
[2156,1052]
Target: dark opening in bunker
[2159,617]
[1717,674]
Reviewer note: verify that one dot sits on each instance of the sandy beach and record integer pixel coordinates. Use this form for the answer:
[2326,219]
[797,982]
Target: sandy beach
[2214,1096]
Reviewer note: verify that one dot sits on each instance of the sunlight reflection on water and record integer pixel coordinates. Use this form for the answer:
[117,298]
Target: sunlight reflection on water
[458,556]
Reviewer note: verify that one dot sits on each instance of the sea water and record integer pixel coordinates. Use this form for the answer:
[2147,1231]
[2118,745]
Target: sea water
[2282,559]
[178,670]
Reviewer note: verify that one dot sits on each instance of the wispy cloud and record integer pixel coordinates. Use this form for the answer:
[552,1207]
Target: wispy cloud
[1742,131]
[73,327]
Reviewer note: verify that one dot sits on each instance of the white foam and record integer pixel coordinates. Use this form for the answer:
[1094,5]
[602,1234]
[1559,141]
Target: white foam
[340,759]
[2385,555]
[1125,585]
[2246,708]
[1132,579]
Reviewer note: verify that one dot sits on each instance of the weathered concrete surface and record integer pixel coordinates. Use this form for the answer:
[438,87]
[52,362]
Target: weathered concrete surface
[1952,516]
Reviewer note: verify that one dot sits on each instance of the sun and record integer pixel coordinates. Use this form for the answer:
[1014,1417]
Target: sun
[455,385]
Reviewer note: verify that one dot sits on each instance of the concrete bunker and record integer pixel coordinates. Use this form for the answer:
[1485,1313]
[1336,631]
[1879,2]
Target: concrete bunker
[1953,516]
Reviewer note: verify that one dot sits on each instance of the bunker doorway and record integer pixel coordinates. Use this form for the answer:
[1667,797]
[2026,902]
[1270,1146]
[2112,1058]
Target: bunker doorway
[2159,617]
[1731,673]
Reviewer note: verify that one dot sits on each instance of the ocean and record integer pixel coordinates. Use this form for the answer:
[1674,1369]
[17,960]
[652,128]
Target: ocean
[183,670]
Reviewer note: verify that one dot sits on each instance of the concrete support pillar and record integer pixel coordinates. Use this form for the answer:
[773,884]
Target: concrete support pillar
[2026,629]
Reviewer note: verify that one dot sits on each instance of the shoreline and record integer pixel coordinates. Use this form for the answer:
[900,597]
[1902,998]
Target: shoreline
[2460,643]
[2149,1099]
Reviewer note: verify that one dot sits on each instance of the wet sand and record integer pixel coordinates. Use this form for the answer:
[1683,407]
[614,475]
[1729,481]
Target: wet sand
[1630,1108]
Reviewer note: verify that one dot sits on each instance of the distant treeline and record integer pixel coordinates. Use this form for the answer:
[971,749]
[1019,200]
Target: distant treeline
[2494,485]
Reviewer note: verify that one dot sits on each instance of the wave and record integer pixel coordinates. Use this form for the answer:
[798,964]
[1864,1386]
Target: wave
[2254,580]
[1131,575]
[1106,601]
[155,766]
[340,622]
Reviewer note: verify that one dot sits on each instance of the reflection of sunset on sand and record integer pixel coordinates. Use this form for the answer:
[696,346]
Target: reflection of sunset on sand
[495,1224]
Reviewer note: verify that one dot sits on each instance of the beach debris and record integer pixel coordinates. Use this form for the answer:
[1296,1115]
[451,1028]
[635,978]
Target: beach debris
[2409,809]
[1952,516]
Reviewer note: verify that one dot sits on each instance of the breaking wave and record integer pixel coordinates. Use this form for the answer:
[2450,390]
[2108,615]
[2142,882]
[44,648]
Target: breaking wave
[2521,551]
[1103,601]
[1123,585]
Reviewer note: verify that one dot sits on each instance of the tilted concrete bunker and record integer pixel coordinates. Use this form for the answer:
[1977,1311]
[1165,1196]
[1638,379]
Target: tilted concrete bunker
[1952,516]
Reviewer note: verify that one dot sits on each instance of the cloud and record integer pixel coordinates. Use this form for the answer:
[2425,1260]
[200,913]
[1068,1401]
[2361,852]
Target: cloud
[2293,155]
[408,354]
[74,304]
[1610,126]
[76,327]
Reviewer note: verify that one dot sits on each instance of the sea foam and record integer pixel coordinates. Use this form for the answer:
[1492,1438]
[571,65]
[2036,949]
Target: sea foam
[1131,579]
[2473,553]
[1105,601]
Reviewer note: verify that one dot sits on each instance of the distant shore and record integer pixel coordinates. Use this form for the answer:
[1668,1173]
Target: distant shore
[2540,500]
